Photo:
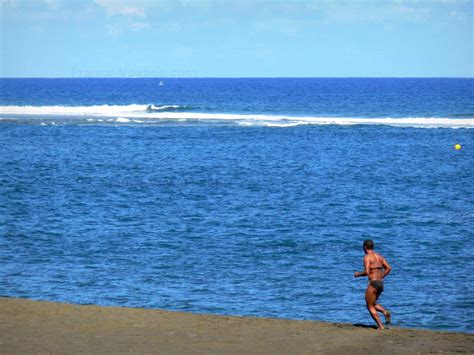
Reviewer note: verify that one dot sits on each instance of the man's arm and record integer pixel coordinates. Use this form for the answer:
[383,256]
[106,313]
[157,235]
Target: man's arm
[386,267]
[366,268]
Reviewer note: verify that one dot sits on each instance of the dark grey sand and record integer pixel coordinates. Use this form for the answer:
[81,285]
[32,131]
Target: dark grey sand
[44,327]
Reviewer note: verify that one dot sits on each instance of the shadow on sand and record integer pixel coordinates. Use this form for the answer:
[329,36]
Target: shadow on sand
[360,325]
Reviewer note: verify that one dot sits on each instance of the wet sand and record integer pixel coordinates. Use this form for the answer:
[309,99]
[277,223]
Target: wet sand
[45,327]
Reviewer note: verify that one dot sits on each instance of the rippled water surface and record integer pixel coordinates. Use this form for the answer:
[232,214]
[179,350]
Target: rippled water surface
[240,220]
[240,196]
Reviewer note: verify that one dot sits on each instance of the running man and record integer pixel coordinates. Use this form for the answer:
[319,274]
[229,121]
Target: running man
[376,268]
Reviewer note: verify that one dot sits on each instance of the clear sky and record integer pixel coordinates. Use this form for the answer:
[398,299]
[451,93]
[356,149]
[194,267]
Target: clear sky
[236,38]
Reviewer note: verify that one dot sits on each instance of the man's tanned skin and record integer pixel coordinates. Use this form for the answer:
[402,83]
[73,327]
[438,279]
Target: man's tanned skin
[376,269]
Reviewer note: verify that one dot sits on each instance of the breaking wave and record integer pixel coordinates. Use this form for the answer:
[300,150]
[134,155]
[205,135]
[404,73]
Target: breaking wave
[151,114]
[154,108]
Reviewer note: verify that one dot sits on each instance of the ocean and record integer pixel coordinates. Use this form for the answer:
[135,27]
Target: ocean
[247,197]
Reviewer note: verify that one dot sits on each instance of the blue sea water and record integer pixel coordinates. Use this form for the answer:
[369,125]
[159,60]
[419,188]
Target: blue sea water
[240,196]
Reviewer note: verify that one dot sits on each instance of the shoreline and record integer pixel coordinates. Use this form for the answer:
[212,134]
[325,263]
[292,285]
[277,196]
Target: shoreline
[28,326]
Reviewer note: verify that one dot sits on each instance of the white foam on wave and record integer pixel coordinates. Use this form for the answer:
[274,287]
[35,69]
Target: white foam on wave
[141,113]
[122,120]
[98,110]
[245,123]
[419,122]
[164,107]
[285,124]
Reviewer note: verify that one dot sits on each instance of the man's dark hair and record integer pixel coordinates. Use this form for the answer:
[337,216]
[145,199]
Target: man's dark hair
[369,244]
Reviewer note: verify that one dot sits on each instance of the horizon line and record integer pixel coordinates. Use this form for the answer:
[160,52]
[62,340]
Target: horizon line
[237,77]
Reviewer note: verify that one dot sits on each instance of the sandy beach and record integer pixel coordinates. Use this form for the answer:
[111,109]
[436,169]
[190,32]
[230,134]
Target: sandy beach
[45,327]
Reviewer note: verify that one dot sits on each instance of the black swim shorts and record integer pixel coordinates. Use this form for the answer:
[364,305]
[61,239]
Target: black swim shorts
[378,285]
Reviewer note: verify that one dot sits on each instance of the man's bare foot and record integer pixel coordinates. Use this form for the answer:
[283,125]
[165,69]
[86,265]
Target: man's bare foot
[388,317]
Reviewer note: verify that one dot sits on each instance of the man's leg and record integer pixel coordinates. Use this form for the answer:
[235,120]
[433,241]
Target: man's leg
[370,298]
[379,308]
[385,312]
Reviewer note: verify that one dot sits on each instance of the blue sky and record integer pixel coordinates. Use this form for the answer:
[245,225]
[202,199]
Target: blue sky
[236,38]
